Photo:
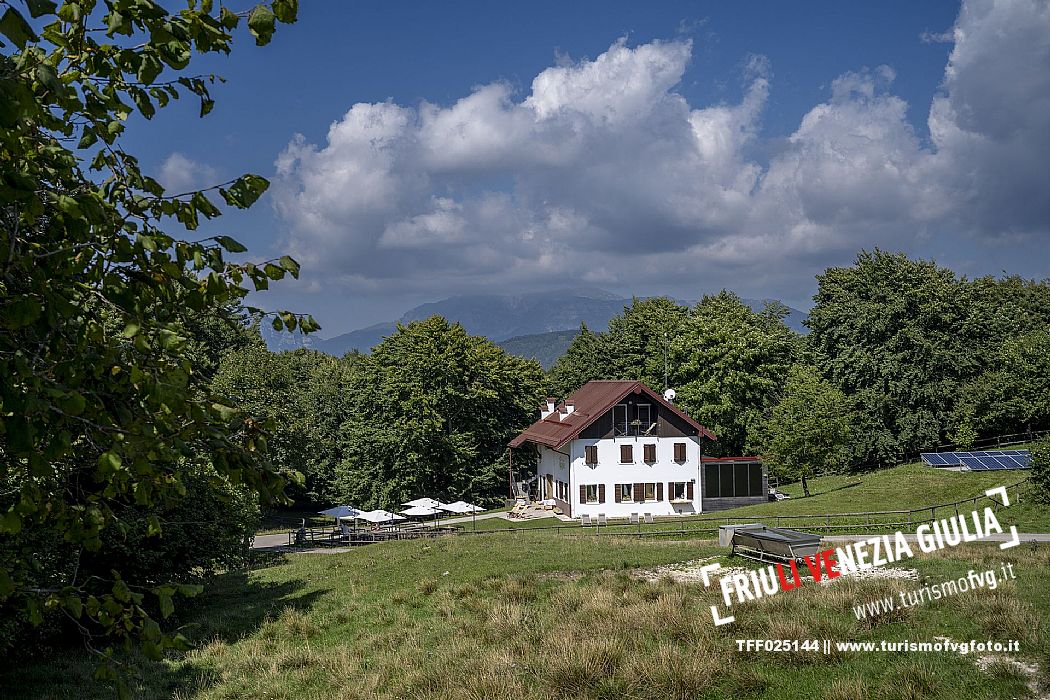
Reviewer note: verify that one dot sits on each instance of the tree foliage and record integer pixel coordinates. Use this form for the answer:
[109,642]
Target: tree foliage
[433,410]
[730,364]
[1041,470]
[307,396]
[104,415]
[910,344]
[585,360]
[809,431]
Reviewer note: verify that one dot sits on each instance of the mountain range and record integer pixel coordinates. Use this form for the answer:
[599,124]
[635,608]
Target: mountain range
[539,325]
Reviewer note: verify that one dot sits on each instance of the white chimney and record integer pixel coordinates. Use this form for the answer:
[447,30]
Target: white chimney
[569,407]
[548,409]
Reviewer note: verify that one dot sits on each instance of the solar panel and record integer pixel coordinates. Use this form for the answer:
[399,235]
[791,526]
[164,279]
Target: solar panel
[980,461]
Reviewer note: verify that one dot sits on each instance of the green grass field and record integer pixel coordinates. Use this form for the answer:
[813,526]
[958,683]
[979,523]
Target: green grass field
[909,486]
[534,615]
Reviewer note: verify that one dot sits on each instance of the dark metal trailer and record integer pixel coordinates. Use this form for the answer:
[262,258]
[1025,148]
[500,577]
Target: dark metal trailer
[774,544]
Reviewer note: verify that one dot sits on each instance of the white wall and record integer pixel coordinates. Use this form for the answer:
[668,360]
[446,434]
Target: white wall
[610,472]
[555,464]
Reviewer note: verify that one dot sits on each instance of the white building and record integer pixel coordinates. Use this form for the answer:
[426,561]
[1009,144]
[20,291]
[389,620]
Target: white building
[618,448]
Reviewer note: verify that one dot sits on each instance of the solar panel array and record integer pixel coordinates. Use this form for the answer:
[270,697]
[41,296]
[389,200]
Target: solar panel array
[980,461]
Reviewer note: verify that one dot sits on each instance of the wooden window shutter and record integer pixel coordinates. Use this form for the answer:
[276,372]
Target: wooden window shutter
[601,493]
[639,493]
[591,453]
[617,493]
[626,454]
[679,452]
[689,491]
[650,453]
[660,491]
[670,490]
[583,493]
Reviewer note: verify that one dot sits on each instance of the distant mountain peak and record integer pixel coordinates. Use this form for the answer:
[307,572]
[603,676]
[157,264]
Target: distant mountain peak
[517,317]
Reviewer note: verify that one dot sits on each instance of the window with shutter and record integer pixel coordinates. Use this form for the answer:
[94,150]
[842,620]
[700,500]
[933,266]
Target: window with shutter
[649,453]
[660,491]
[624,492]
[650,491]
[639,493]
[618,493]
[689,491]
[583,493]
[626,454]
[679,452]
[601,493]
[591,454]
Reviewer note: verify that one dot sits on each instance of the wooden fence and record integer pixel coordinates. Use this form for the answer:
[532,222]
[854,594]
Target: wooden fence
[867,521]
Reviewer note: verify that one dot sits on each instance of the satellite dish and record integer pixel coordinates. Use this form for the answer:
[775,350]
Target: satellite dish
[669,395]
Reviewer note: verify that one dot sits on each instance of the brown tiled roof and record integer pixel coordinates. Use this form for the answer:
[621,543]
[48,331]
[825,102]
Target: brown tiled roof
[591,401]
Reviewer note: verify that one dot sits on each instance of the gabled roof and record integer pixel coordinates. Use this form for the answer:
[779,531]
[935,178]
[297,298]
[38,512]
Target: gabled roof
[590,402]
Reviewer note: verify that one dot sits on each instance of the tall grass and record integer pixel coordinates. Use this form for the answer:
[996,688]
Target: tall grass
[508,620]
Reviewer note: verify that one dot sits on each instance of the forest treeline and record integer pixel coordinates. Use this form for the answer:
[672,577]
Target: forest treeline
[902,354]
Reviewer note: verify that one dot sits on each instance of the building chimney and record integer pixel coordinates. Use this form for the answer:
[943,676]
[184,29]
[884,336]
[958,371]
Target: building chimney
[547,409]
[569,407]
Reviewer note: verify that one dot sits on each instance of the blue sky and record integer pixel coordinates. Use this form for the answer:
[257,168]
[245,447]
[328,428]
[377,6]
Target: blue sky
[664,148]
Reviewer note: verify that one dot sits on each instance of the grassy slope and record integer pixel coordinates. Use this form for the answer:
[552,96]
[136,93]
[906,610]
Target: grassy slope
[898,488]
[535,615]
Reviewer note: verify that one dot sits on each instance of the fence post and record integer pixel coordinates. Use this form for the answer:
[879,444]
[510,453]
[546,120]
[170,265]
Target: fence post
[933,513]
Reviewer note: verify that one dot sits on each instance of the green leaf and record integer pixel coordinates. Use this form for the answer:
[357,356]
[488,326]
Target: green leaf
[225,412]
[21,312]
[149,68]
[204,205]
[167,607]
[230,244]
[261,23]
[245,191]
[74,605]
[10,523]
[286,10]
[72,403]
[291,265]
[38,8]
[14,26]
[88,139]
[109,461]
[131,329]
[228,19]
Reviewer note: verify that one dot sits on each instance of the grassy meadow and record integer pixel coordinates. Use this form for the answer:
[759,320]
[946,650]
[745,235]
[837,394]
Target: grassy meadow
[905,487]
[537,615]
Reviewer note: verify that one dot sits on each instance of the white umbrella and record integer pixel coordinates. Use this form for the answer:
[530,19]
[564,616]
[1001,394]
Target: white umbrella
[425,502]
[462,507]
[341,512]
[421,511]
[379,516]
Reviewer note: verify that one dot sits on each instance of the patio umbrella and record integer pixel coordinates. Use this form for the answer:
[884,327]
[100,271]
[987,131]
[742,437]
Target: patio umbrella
[379,516]
[425,502]
[421,511]
[462,507]
[340,512]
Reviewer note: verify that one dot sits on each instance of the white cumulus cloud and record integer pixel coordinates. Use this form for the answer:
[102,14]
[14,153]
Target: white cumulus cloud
[603,172]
